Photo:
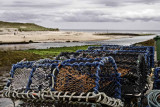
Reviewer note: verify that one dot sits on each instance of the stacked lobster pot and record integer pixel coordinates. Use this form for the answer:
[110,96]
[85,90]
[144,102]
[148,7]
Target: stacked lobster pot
[156,84]
[29,77]
[141,49]
[71,82]
[90,79]
[99,76]
[134,64]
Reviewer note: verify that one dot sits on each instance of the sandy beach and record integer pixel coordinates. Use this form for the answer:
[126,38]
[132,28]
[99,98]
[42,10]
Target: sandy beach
[52,36]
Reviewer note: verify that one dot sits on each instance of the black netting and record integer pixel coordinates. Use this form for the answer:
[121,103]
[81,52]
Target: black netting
[149,50]
[41,79]
[83,78]
[21,76]
[132,66]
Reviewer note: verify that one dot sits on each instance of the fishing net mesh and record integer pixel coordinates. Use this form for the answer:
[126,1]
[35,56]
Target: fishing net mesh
[20,79]
[72,80]
[83,79]
[127,63]
[41,79]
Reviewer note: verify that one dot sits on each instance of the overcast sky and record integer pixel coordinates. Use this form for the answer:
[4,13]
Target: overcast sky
[84,14]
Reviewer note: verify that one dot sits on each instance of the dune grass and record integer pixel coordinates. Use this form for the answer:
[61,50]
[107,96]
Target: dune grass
[25,26]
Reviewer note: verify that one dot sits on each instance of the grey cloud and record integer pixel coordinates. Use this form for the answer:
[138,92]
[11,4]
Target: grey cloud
[99,16]
[145,1]
[29,4]
[22,17]
[144,19]
[110,3]
[89,19]
[72,14]
[117,3]
[89,16]
[113,4]
[78,16]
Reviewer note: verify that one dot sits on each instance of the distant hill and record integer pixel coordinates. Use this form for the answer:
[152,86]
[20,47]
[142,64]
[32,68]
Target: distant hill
[25,26]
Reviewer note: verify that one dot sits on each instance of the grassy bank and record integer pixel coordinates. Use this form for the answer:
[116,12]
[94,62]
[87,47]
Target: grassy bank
[52,52]
[7,58]
[123,34]
[25,26]
[146,43]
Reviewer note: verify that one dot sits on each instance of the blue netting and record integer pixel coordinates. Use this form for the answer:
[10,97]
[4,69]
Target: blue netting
[156,84]
[20,73]
[148,49]
[40,75]
[32,75]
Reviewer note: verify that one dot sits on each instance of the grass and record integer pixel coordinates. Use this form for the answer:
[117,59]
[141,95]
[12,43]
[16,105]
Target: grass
[7,58]
[52,52]
[25,26]
[146,43]
[131,34]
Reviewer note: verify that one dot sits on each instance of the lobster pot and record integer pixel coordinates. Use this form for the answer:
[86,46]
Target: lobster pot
[88,75]
[147,49]
[68,55]
[40,79]
[32,75]
[40,76]
[134,70]
[95,48]
[132,66]
[156,84]
[20,73]
[138,48]
[141,49]
[105,47]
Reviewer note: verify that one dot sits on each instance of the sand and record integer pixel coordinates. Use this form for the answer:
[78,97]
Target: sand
[52,36]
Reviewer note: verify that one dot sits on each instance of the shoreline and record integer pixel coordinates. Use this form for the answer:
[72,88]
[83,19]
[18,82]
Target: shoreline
[53,37]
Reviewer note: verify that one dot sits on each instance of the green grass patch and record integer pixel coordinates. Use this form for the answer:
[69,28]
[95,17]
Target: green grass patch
[7,58]
[130,34]
[52,52]
[26,26]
